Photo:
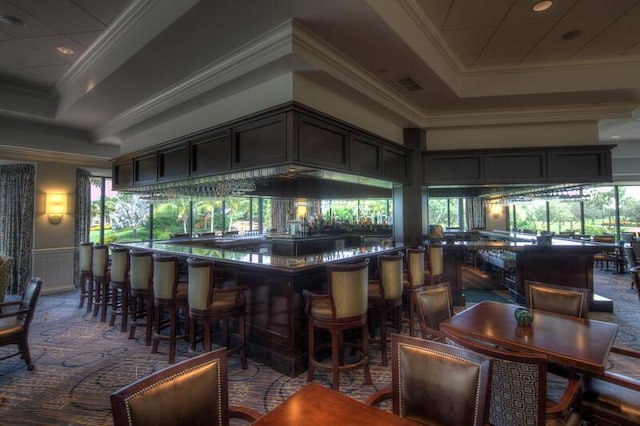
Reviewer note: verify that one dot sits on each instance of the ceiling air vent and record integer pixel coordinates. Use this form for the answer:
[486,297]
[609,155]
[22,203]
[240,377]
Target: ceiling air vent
[409,84]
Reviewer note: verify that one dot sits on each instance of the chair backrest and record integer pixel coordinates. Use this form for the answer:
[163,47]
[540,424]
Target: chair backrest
[433,383]
[559,299]
[29,301]
[165,276]
[85,253]
[632,262]
[141,270]
[518,393]
[415,266]
[191,392]
[436,261]
[200,283]
[100,259]
[6,264]
[635,276]
[390,270]
[348,285]
[119,264]
[434,305]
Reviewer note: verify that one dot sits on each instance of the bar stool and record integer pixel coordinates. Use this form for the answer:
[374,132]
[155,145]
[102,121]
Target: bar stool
[119,286]
[385,296]
[141,292]
[100,280]
[436,263]
[343,308]
[415,282]
[209,304]
[85,262]
[169,295]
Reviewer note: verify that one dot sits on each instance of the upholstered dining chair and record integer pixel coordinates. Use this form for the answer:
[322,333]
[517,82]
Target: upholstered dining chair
[344,307]
[632,262]
[6,264]
[635,276]
[434,306]
[385,296]
[141,292]
[208,304]
[119,283]
[559,299]
[15,318]
[192,392]
[85,265]
[433,383]
[169,295]
[100,268]
[518,393]
[435,271]
[414,282]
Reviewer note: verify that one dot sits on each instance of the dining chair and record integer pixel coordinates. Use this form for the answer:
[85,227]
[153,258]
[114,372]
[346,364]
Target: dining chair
[558,299]
[635,276]
[344,307]
[433,383]
[15,318]
[170,295]
[414,282]
[518,392]
[192,392]
[385,297]
[434,306]
[632,262]
[208,304]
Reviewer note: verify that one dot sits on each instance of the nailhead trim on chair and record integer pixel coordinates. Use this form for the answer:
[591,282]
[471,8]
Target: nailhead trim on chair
[168,379]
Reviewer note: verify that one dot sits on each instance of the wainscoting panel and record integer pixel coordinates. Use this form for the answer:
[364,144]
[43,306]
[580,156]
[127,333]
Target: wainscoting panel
[55,267]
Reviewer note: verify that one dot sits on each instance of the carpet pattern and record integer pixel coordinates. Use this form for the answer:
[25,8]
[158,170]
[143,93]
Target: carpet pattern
[80,362]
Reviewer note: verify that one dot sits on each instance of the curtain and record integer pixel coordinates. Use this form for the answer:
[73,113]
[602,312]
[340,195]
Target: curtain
[82,217]
[476,213]
[17,209]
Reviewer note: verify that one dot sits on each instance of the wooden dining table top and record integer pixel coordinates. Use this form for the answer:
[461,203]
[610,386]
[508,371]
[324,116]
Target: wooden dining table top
[580,343]
[316,405]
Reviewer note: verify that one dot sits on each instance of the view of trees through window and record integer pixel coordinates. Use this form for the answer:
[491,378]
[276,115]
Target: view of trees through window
[129,217]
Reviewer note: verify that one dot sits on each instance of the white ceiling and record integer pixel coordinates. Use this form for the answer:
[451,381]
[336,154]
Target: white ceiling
[475,62]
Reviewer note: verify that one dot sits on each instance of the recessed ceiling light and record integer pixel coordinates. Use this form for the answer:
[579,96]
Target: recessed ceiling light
[65,50]
[541,6]
[11,20]
[615,137]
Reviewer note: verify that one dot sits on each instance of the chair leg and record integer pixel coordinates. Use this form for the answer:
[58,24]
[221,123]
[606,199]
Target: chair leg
[124,309]
[365,354]
[89,294]
[173,325]
[311,352]
[383,335]
[104,301]
[412,312]
[335,360]
[23,346]
[243,352]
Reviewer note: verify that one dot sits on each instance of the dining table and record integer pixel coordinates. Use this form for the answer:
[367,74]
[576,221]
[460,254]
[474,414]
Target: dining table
[317,405]
[583,344]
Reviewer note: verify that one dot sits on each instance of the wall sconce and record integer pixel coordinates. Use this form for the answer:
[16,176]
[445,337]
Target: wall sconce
[55,207]
[496,210]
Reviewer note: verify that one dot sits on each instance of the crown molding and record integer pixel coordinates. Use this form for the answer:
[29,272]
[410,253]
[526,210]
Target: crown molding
[544,114]
[35,155]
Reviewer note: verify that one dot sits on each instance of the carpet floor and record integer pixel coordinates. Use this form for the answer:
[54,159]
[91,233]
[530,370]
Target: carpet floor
[81,361]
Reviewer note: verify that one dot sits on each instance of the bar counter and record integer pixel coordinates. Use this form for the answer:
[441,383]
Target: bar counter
[562,261]
[276,324]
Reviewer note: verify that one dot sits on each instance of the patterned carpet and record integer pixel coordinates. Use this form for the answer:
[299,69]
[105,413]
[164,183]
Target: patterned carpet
[80,362]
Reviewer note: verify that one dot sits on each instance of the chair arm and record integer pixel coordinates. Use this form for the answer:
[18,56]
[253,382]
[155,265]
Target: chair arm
[13,303]
[621,380]
[567,399]
[625,351]
[431,334]
[245,413]
[378,397]
[309,296]
[13,313]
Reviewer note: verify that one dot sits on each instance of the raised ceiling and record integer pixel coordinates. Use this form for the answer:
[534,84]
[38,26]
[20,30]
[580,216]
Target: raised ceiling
[427,63]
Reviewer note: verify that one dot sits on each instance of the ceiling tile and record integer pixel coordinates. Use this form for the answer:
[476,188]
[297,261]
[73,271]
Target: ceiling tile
[104,11]
[49,45]
[63,15]
[598,9]
[521,12]
[616,39]
[518,39]
[26,55]
[468,44]
[436,10]
[85,39]
[590,29]
[466,14]
[32,27]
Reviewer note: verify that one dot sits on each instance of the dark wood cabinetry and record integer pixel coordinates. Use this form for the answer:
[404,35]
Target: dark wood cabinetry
[281,138]
[575,164]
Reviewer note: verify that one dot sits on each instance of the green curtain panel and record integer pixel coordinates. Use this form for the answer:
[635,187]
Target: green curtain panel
[17,204]
[82,217]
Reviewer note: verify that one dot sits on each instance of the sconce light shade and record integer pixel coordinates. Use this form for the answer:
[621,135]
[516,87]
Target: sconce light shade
[55,207]
[496,210]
